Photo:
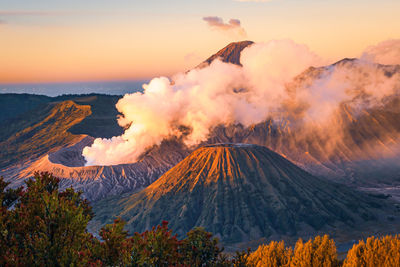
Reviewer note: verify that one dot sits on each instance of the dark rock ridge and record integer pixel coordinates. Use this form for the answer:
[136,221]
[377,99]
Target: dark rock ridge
[229,54]
[240,192]
[98,182]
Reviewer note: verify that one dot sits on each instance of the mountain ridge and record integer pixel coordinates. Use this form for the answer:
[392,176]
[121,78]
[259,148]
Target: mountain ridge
[228,54]
[354,160]
[240,193]
[33,138]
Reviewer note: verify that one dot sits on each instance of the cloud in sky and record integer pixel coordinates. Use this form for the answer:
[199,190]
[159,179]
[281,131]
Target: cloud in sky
[28,13]
[386,52]
[233,25]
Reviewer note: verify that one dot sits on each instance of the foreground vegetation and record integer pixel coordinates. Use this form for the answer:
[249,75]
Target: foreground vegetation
[41,226]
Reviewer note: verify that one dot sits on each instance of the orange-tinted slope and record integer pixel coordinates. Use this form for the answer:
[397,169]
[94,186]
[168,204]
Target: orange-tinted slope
[240,193]
[229,54]
[42,131]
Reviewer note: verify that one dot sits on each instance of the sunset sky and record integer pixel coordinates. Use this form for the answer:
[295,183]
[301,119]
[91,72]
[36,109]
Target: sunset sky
[75,40]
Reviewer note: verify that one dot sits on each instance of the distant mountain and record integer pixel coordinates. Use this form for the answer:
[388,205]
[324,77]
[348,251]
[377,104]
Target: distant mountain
[367,147]
[13,105]
[51,133]
[33,125]
[229,54]
[40,131]
[240,192]
[102,122]
[367,154]
[16,108]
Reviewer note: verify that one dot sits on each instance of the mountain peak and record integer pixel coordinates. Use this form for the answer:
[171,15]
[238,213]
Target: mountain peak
[239,192]
[345,61]
[229,54]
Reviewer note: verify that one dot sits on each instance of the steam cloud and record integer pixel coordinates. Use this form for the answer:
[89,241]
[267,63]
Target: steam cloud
[387,53]
[233,26]
[224,93]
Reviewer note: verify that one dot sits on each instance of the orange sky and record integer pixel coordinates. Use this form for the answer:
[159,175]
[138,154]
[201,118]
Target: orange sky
[79,46]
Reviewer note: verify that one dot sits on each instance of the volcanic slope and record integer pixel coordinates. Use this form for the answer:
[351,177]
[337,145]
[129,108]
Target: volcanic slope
[228,54]
[40,131]
[241,193]
[50,137]
[47,124]
[361,148]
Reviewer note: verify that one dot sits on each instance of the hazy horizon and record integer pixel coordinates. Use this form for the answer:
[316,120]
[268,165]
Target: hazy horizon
[66,88]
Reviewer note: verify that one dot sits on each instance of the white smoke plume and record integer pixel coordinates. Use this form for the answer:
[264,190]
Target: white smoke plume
[358,84]
[224,93]
[386,52]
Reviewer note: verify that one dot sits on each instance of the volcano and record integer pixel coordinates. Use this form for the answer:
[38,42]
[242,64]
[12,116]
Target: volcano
[240,192]
[228,54]
[361,149]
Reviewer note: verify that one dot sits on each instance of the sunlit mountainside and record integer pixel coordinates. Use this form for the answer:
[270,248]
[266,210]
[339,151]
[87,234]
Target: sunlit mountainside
[359,147]
[244,193]
[246,190]
[237,133]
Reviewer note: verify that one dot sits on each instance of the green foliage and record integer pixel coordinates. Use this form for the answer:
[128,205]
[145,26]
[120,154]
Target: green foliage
[200,248]
[117,247]
[9,196]
[240,258]
[43,226]
[157,247]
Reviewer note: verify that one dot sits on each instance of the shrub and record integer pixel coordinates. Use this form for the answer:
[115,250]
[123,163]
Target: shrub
[116,248]
[199,247]
[44,226]
[320,251]
[157,247]
[375,252]
[272,255]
